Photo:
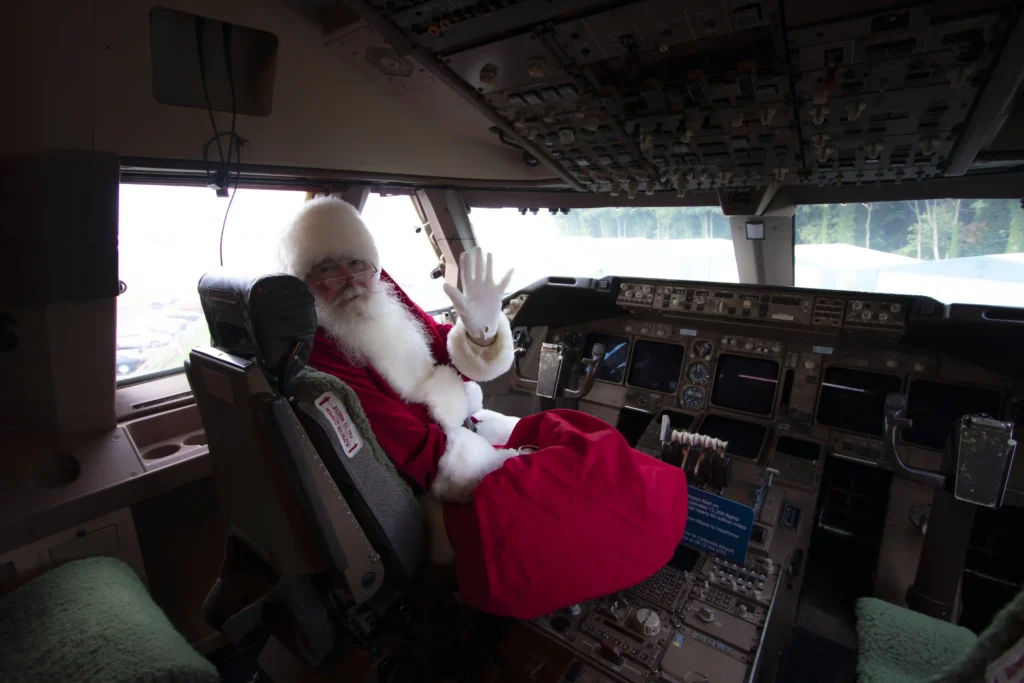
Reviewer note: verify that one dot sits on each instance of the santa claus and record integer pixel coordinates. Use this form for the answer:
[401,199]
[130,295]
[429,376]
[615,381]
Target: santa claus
[540,512]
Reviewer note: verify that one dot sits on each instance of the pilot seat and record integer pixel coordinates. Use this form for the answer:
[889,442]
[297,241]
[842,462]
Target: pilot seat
[324,534]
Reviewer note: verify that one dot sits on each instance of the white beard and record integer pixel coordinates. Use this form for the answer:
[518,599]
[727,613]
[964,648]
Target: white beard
[377,330]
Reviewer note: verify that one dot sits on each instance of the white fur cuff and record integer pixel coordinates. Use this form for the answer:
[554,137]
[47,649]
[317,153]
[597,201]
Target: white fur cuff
[467,459]
[495,427]
[444,393]
[482,363]
[475,396]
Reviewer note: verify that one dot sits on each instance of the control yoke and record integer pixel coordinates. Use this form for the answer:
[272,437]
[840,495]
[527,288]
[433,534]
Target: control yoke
[895,421]
[981,453]
[553,371]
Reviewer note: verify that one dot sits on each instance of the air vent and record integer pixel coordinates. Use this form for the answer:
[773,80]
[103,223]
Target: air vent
[388,62]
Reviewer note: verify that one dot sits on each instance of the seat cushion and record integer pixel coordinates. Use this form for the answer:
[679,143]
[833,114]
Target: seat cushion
[898,645]
[92,620]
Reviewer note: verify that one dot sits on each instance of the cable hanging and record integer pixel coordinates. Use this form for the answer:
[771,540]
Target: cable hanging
[220,180]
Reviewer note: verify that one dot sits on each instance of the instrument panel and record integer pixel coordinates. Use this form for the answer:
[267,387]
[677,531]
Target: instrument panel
[746,364]
[698,615]
[790,379]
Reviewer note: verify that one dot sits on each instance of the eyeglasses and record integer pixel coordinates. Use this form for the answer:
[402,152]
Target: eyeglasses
[329,274]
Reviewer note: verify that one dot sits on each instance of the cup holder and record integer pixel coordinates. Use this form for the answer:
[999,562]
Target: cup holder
[195,440]
[163,451]
[55,470]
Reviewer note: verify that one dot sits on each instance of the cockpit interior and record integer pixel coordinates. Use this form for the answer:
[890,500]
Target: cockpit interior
[778,244]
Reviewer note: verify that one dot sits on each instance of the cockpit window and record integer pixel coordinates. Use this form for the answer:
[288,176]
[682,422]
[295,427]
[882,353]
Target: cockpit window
[954,250]
[169,236]
[679,243]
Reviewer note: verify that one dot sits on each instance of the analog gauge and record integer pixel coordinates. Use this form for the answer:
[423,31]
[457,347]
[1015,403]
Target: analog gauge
[698,373]
[702,349]
[693,397]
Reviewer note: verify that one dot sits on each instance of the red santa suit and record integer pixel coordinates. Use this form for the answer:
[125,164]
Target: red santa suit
[563,511]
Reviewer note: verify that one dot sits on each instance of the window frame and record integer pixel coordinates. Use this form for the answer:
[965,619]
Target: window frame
[141,173]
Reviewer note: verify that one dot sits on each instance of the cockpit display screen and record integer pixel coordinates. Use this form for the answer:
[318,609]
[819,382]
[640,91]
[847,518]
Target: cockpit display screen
[854,400]
[936,407]
[656,366]
[616,349]
[745,438]
[745,384]
[684,559]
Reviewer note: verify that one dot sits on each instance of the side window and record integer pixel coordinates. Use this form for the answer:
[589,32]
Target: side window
[405,251]
[169,236]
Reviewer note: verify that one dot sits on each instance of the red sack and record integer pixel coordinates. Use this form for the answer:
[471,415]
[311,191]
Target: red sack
[583,517]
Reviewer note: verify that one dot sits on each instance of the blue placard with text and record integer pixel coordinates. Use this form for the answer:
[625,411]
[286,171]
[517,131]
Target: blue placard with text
[718,525]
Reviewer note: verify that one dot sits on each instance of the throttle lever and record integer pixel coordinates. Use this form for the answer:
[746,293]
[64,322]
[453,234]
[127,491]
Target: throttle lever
[895,421]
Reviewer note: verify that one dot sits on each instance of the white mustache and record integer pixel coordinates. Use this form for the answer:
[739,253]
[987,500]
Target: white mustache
[349,294]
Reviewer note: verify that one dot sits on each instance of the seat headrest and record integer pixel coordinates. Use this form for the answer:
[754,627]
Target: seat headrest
[268,318]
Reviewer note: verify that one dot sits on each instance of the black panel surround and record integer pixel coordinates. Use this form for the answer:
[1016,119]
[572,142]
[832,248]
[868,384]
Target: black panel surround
[985,336]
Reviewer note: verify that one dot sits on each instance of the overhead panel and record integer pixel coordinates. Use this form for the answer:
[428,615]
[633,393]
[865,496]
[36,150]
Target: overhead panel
[662,96]
[887,95]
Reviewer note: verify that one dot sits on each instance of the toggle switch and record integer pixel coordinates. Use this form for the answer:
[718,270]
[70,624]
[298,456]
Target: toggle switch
[819,114]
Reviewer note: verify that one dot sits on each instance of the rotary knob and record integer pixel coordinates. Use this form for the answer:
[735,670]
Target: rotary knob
[575,610]
[648,622]
[810,364]
[743,610]
[748,346]
[705,614]
[919,367]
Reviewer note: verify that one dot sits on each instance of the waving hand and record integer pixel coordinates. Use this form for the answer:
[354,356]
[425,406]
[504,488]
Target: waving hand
[479,302]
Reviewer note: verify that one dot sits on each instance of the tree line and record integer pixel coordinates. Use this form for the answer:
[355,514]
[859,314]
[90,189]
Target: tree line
[929,229]
[659,223]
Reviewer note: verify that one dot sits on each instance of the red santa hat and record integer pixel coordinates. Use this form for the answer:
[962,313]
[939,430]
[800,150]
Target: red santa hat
[326,227]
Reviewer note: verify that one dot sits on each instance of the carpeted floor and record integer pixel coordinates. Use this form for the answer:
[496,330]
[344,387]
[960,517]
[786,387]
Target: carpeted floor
[811,658]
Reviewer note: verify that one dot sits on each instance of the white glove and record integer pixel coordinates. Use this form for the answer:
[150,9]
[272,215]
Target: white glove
[479,302]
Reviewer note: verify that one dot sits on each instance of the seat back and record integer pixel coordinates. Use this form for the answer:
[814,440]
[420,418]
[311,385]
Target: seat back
[308,498]
[380,498]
